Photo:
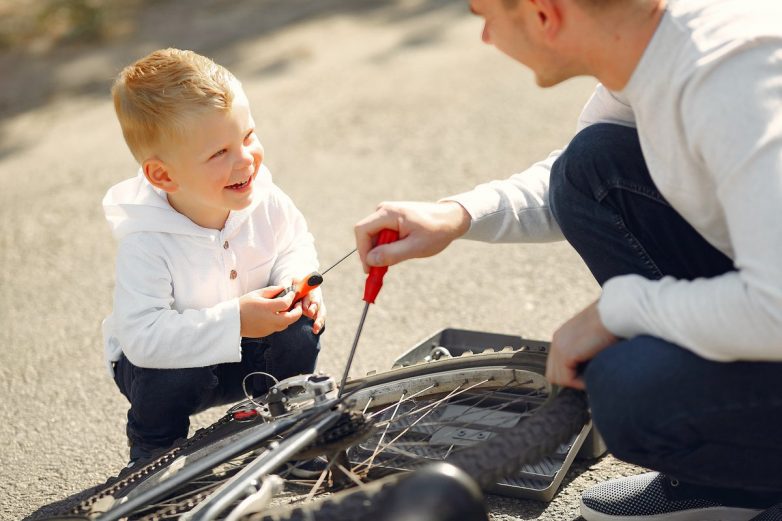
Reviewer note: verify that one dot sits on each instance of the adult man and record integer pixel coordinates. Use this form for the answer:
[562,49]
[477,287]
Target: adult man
[670,192]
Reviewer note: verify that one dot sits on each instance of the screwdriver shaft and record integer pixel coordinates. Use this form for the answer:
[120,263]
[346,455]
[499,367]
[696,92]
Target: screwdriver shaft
[353,350]
[371,289]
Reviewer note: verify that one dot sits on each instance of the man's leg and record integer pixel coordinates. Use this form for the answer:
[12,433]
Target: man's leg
[161,402]
[646,393]
[610,211]
[665,408]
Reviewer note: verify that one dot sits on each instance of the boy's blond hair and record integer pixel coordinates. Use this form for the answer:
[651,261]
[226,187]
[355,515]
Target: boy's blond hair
[156,97]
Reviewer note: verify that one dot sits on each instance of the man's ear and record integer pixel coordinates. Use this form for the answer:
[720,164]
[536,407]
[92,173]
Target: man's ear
[549,17]
[157,173]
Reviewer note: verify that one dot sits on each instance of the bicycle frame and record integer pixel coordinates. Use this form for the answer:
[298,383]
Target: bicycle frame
[240,484]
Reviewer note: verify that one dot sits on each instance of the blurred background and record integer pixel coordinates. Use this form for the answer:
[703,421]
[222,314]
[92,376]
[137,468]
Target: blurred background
[356,102]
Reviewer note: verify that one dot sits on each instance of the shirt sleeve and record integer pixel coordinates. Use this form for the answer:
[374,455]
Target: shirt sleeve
[153,334]
[738,315]
[517,209]
[296,255]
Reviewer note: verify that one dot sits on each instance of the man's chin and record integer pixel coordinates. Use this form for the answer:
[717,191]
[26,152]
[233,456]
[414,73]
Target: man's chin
[547,81]
[550,79]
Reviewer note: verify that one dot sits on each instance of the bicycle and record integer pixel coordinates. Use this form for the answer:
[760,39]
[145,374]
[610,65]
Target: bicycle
[488,414]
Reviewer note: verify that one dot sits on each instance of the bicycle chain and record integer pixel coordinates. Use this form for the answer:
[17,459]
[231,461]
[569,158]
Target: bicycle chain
[159,462]
[179,508]
[352,423]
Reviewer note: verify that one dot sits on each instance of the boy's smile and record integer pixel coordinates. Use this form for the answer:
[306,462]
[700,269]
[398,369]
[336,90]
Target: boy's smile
[241,187]
[212,168]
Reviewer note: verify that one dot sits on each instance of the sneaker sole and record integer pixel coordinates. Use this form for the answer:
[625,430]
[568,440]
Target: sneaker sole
[699,514]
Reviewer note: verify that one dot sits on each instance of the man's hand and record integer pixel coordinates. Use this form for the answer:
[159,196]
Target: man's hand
[575,342]
[425,229]
[261,314]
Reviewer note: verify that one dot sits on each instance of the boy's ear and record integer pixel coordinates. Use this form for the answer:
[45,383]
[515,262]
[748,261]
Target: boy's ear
[156,172]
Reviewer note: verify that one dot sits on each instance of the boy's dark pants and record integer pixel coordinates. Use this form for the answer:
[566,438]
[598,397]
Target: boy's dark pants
[657,404]
[162,400]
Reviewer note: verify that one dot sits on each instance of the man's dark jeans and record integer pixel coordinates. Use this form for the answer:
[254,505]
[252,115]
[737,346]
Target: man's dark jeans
[162,400]
[656,404]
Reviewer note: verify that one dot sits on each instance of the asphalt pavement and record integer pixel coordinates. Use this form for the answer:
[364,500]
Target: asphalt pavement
[355,102]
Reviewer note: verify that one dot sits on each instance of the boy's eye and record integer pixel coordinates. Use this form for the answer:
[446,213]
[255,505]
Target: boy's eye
[219,153]
[249,135]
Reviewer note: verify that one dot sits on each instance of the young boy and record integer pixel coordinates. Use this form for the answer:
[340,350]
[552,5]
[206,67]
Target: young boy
[206,241]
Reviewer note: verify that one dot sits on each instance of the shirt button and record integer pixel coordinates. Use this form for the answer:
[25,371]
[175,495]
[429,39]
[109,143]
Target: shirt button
[225,245]
[233,274]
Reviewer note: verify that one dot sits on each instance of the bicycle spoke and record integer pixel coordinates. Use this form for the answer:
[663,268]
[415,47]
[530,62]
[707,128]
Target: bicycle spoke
[437,402]
[411,425]
[321,478]
[434,404]
[401,399]
[397,404]
[371,399]
[353,477]
[396,447]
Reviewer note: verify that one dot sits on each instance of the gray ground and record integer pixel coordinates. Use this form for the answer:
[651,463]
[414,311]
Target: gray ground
[356,102]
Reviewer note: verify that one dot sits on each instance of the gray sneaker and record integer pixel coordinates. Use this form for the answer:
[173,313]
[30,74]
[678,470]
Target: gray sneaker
[655,497]
[772,514]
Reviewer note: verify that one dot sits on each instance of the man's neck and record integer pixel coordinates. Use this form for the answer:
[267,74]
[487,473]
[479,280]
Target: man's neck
[621,42]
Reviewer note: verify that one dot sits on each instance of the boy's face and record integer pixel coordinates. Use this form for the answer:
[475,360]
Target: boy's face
[213,168]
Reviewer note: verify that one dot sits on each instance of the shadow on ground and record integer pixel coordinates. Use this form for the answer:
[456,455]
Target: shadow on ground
[210,27]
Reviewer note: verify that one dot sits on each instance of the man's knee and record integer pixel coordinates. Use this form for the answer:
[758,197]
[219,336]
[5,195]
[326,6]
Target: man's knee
[624,384]
[584,169]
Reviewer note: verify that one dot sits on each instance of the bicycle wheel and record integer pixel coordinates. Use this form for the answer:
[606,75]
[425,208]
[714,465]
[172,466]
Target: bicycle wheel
[440,491]
[434,411]
[507,453]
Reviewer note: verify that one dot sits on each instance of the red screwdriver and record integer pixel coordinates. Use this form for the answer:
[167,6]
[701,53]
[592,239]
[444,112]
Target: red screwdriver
[371,289]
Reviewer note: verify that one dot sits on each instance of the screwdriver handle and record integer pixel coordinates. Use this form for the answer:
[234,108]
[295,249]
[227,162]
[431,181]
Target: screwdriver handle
[302,288]
[376,273]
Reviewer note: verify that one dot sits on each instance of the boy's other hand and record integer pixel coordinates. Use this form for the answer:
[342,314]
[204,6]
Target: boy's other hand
[313,307]
[261,314]
[425,229]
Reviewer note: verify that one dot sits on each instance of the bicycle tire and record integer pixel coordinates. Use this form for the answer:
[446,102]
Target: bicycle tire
[509,363]
[443,491]
[487,462]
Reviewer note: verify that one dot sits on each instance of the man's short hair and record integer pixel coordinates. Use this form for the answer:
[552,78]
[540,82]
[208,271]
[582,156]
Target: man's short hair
[592,4]
[157,96]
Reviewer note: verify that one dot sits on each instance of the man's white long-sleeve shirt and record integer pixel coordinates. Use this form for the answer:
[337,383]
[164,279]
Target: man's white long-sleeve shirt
[706,99]
[177,284]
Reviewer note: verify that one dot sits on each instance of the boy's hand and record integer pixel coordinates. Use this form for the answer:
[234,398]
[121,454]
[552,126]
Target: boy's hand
[261,314]
[313,307]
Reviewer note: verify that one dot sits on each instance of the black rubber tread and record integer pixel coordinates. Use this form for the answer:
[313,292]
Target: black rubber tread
[488,462]
[530,441]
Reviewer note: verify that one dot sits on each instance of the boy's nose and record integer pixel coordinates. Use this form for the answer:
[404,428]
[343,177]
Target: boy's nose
[246,159]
